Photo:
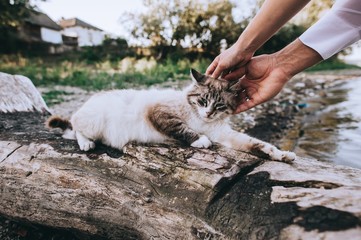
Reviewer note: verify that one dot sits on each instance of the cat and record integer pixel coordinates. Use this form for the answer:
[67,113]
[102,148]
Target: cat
[197,116]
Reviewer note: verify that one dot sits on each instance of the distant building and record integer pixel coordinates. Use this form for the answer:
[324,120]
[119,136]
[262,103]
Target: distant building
[39,27]
[86,34]
[41,33]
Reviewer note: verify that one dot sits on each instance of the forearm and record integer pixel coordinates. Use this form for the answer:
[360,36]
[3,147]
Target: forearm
[295,58]
[271,17]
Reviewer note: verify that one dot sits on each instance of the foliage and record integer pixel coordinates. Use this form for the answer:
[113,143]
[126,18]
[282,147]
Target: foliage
[54,97]
[110,49]
[12,14]
[168,26]
[281,39]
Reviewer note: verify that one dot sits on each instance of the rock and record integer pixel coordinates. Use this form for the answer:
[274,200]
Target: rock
[18,94]
[278,109]
[300,85]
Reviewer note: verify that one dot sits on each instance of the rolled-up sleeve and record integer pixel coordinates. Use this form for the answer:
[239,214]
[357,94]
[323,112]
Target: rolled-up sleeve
[338,29]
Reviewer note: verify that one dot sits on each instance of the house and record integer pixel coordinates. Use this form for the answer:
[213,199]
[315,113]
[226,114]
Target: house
[86,34]
[39,27]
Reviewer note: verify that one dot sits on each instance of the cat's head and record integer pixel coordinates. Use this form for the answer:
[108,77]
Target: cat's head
[212,99]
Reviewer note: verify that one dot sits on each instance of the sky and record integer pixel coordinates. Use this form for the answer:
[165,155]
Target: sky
[103,14]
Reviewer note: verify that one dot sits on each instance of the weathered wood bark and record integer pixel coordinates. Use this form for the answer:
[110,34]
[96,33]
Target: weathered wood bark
[169,191]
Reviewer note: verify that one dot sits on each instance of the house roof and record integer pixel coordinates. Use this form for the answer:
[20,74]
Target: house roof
[73,22]
[43,20]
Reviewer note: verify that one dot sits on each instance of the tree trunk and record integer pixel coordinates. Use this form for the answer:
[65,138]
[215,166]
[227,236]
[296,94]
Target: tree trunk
[164,191]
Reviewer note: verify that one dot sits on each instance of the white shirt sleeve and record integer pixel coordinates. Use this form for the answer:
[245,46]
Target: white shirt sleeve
[338,29]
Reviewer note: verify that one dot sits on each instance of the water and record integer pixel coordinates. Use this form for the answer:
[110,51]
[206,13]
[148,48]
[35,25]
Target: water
[334,133]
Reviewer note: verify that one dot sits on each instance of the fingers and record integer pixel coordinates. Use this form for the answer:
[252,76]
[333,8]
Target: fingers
[249,97]
[235,74]
[212,66]
[247,102]
[245,106]
[215,69]
[218,71]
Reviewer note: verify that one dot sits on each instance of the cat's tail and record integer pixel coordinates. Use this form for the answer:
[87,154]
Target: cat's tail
[63,124]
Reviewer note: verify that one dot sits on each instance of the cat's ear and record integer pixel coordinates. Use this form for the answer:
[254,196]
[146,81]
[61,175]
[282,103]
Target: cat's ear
[197,77]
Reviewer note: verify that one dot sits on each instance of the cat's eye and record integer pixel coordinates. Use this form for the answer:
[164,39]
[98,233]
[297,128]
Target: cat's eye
[202,102]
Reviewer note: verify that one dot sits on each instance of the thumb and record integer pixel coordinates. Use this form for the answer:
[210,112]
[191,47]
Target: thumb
[244,106]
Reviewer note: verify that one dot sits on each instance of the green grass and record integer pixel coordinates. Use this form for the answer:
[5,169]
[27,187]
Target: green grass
[45,72]
[127,73]
[54,97]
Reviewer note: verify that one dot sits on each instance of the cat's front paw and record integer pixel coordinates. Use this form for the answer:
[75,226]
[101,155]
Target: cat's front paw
[202,142]
[288,156]
[284,156]
[86,145]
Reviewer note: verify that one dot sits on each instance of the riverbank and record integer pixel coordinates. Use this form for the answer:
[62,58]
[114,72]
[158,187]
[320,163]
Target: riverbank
[296,111]
[331,129]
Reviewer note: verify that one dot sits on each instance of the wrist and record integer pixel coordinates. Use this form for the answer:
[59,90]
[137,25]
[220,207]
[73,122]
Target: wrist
[244,48]
[246,44]
[295,58]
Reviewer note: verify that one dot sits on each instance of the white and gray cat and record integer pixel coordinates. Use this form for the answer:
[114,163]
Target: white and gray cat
[197,116]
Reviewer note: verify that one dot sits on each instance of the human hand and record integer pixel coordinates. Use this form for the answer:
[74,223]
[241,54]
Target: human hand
[263,80]
[230,64]
[266,75]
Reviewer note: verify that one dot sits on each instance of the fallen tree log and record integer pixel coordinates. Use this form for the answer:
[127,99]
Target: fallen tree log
[166,191]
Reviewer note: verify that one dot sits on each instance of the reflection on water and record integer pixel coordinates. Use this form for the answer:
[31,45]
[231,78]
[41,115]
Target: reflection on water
[334,133]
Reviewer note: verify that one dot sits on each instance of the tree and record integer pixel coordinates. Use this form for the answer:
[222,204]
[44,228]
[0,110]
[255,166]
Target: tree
[210,30]
[12,15]
[13,12]
[169,26]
